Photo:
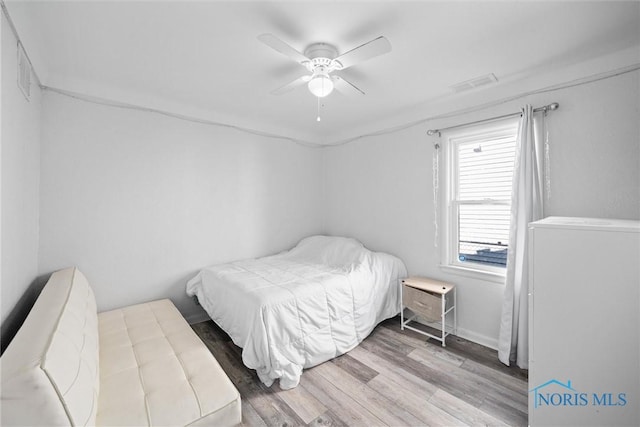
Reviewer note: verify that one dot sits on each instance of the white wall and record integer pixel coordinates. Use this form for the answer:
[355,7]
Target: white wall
[20,182]
[379,189]
[140,201]
[595,154]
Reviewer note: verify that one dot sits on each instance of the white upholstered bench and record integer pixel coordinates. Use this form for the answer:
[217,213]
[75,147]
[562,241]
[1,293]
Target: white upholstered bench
[141,365]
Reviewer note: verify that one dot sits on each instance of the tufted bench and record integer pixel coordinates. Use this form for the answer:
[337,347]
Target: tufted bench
[141,365]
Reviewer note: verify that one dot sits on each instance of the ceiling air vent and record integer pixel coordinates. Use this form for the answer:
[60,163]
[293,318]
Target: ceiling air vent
[474,83]
[24,73]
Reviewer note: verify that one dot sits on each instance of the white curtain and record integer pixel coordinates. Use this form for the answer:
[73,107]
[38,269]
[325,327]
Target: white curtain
[526,206]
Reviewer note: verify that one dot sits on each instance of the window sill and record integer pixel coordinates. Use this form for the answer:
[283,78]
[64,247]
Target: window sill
[487,276]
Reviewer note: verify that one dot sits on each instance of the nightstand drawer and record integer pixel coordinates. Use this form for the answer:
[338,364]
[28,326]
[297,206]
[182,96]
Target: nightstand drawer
[422,303]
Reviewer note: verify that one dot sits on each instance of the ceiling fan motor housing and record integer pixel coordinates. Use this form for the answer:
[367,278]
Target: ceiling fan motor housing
[321,50]
[322,58]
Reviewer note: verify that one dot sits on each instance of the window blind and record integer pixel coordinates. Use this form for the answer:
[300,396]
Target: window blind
[484,175]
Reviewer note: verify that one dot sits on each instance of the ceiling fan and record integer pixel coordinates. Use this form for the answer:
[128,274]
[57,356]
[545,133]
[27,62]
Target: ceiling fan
[321,60]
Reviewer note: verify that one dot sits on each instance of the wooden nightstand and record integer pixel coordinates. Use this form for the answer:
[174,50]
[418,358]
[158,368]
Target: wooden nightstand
[429,299]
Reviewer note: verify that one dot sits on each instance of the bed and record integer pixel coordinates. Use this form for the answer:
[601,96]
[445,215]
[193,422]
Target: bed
[301,307]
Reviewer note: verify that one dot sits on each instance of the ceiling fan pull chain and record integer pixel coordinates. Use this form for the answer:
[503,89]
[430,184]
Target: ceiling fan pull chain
[318,117]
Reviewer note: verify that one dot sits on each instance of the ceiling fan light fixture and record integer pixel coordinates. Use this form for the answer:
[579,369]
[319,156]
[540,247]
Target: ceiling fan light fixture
[320,85]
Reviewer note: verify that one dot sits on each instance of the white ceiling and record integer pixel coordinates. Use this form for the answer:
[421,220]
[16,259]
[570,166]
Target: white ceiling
[195,57]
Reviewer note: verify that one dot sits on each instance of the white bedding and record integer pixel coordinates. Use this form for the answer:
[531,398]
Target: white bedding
[302,307]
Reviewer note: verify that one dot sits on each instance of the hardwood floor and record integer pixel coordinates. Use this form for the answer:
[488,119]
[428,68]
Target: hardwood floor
[394,378]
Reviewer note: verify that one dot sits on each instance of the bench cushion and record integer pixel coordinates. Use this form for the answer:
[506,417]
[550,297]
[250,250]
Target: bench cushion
[154,370]
[50,369]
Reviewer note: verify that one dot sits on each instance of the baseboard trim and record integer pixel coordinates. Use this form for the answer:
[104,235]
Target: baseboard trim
[472,336]
[477,338]
[197,318]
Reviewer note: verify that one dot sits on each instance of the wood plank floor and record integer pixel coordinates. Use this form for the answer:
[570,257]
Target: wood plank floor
[394,378]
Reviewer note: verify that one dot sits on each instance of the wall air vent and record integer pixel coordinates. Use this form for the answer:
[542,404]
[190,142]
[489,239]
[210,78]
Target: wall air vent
[474,83]
[24,73]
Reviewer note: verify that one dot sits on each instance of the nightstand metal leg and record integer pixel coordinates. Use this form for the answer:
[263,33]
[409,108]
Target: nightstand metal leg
[455,312]
[444,318]
[401,307]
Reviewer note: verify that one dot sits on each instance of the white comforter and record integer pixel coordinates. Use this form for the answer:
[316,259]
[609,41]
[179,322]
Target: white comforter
[302,307]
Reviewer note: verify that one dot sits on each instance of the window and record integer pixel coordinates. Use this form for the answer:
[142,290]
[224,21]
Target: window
[479,168]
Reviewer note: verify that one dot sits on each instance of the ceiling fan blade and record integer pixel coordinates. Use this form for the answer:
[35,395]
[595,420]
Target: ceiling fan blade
[291,86]
[282,47]
[367,51]
[346,87]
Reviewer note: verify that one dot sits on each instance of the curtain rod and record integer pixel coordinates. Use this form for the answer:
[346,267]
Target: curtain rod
[550,107]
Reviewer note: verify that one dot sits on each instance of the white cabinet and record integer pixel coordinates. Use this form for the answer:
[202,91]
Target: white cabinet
[584,322]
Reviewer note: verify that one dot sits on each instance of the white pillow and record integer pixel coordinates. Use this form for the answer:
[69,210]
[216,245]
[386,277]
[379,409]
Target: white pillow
[328,250]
